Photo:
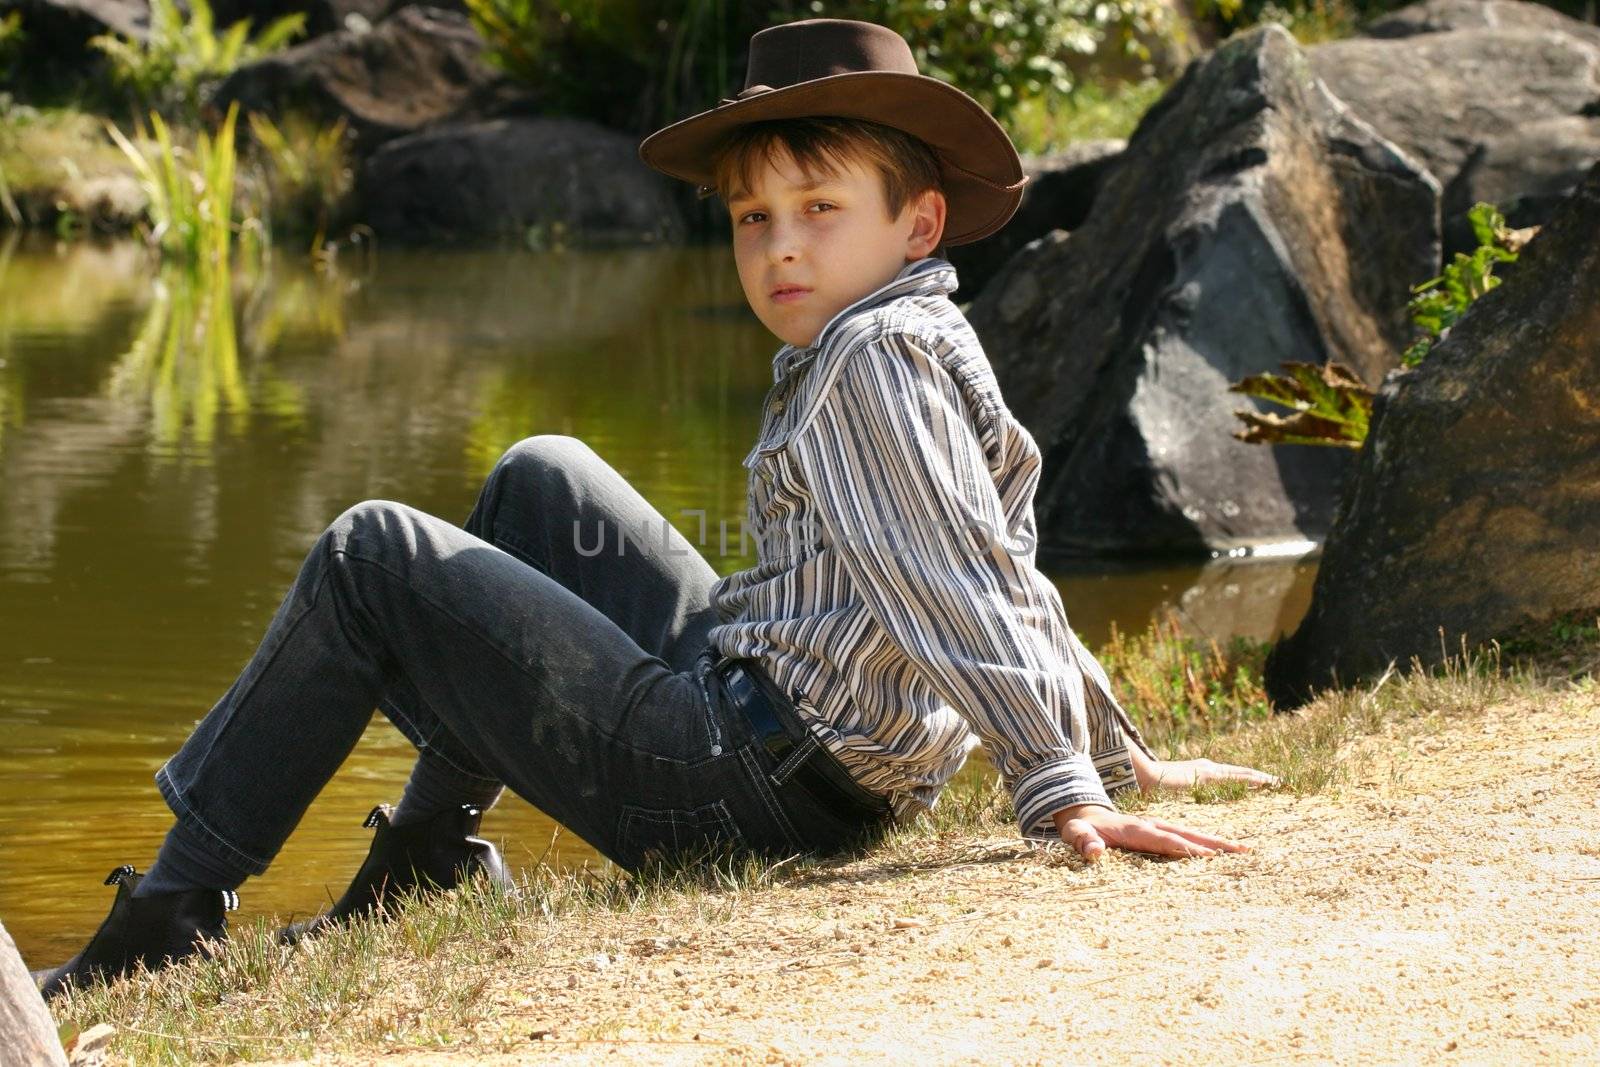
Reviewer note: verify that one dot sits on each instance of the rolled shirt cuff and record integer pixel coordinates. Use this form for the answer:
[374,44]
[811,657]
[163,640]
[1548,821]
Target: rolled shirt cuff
[1059,783]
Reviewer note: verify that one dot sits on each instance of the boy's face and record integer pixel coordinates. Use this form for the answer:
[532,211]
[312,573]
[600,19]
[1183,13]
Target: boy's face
[808,248]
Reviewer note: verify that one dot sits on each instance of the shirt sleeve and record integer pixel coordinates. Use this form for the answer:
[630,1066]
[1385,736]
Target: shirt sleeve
[895,462]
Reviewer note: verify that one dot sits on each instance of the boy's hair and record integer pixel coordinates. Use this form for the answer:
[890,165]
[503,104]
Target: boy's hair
[906,164]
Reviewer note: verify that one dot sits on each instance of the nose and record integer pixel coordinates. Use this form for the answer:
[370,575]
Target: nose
[783,242]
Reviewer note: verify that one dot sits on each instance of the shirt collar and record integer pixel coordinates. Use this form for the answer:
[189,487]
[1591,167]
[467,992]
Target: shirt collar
[929,276]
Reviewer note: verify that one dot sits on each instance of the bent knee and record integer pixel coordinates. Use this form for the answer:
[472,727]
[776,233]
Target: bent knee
[371,524]
[546,450]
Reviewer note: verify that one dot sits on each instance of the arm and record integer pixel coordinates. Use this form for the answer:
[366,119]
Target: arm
[897,472]
[896,468]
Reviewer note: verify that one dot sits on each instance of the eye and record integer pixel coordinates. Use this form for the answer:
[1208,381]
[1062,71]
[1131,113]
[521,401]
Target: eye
[746,216]
[826,204]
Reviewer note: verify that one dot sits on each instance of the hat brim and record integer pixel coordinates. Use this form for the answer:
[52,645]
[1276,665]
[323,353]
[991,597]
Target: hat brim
[980,170]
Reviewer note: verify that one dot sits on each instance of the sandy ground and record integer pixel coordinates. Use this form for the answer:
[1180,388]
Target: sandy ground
[1440,910]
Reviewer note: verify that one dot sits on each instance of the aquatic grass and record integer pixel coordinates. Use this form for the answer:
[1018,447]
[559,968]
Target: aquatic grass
[305,173]
[191,191]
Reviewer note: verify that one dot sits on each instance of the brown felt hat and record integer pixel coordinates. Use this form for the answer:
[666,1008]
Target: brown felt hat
[859,70]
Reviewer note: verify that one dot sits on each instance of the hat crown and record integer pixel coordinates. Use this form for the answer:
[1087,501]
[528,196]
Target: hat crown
[803,51]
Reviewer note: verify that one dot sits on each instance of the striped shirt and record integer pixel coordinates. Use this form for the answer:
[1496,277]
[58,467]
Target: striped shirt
[895,594]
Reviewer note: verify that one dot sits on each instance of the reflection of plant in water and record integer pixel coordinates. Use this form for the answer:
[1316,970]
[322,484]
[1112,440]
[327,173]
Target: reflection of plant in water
[184,364]
[289,302]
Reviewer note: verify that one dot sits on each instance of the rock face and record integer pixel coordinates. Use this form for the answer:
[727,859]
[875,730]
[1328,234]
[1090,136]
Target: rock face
[419,67]
[57,48]
[1060,190]
[1476,503]
[1444,16]
[1500,101]
[1253,219]
[322,16]
[498,178]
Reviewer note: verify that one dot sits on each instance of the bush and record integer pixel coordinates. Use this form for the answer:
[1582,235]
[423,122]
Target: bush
[170,67]
[1004,54]
[665,61]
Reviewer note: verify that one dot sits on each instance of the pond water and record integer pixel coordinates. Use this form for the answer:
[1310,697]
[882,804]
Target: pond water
[167,456]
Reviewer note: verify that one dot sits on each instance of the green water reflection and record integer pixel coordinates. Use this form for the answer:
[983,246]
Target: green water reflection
[169,451]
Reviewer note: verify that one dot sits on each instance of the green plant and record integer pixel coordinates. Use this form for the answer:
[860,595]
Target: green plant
[11,38]
[305,172]
[178,55]
[1330,404]
[1309,20]
[1093,111]
[1176,686]
[190,191]
[666,59]
[1440,301]
[1006,52]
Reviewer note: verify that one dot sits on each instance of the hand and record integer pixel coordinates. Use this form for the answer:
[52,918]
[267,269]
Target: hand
[1091,828]
[1186,774]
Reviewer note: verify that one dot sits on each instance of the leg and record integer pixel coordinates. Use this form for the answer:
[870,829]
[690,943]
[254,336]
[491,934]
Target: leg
[554,504]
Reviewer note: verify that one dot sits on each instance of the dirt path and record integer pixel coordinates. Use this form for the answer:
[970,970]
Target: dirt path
[1441,910]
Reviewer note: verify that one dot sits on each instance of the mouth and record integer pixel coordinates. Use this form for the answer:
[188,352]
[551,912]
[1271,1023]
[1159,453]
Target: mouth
[785,294]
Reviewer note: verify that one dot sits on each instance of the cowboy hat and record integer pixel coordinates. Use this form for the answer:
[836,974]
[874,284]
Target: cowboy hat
[860,70]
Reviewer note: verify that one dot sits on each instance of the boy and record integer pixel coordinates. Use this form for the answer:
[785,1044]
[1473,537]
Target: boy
[801,705]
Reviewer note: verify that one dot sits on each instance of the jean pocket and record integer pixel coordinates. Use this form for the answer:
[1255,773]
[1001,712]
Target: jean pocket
[676,836]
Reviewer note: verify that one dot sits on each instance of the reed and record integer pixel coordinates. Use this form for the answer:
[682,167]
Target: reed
[191,191]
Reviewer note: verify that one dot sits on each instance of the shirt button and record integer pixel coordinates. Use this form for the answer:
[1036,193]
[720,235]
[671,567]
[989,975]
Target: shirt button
[776,407]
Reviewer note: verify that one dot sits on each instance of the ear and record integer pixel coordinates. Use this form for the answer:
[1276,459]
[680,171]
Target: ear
[927,224]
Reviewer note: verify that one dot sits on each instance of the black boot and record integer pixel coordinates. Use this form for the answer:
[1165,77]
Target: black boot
[432,855]
[155,930]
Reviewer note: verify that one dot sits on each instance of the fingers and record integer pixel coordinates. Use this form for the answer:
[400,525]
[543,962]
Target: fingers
[1247,774]
[1084,838]
[1164,842]
[1199,837]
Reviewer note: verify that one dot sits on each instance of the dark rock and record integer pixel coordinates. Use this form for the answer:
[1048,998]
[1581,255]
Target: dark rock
[501,177]
[1445,16]
[1474,506]
[417,68]
[1503,114]
[57,49]
[1061,187]
[322,16]
[1253,219]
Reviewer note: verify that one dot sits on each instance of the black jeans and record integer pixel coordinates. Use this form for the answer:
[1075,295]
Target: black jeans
[557,644]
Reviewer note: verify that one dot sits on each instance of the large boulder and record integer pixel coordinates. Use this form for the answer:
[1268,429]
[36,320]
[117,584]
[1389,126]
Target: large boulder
[502,178]
[1253,219]
[1445,16]
[419,67]
[1500,101]
[1476,503]
[1061,188]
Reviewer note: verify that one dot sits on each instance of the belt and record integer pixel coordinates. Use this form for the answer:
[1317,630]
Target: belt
[799,758]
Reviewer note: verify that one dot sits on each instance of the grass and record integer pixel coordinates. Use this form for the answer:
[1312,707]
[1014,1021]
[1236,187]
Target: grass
[52,161]
[190,190]
[418,982]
